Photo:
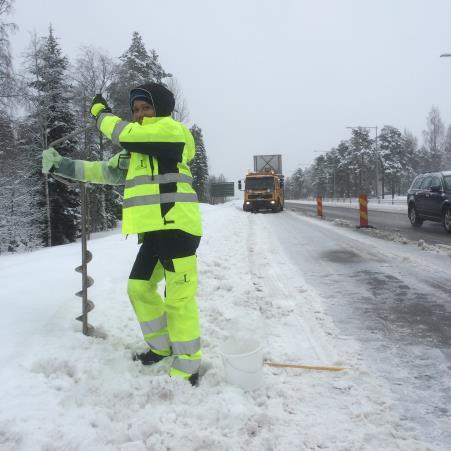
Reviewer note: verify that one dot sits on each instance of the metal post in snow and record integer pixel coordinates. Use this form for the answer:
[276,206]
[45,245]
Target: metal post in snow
[363,212]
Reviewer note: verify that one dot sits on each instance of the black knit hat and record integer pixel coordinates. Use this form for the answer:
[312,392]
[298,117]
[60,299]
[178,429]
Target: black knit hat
[157,95]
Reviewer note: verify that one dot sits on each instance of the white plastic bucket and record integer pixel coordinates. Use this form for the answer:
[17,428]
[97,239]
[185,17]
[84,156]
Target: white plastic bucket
[243,362]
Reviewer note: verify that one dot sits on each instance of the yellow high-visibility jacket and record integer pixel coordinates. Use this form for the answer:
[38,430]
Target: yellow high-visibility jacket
[153,165]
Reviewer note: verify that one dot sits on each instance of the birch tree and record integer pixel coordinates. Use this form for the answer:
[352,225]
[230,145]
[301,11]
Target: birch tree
[434,138]
[93,73]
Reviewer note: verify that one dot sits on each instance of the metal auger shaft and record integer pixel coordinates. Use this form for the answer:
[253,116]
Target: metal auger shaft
[86,257]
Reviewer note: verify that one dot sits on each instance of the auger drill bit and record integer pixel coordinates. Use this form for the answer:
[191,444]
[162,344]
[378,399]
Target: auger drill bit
[86,257]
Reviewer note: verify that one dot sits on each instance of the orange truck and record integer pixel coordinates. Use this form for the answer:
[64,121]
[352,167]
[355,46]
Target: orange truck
[263,188]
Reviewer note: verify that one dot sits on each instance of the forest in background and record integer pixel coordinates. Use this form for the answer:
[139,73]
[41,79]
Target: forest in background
[374,162]
[47,98]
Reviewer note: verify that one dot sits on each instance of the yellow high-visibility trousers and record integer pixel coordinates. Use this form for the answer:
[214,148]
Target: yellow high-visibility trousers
[171,325]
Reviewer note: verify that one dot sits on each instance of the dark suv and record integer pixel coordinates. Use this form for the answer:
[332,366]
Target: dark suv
[429,199]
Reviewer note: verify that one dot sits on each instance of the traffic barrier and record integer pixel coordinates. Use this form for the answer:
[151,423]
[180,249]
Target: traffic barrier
[319,205]
[363,204]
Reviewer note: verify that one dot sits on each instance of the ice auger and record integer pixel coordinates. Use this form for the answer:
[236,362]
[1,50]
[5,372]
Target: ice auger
[86,255]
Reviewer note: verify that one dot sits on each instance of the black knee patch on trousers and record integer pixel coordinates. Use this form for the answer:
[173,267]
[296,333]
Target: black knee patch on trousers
[162,245]
[144,265]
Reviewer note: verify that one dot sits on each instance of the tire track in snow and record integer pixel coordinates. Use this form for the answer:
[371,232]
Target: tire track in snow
[286,300]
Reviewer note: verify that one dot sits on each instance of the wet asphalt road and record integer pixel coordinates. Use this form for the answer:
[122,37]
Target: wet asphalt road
[398,310]
[430,232]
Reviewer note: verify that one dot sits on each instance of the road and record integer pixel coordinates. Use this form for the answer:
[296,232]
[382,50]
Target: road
[430,232]
[394,299]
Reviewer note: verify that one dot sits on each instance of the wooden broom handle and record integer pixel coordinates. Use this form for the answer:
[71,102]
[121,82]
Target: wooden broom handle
[306,367]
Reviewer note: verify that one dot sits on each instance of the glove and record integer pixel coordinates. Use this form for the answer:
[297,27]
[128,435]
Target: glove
[50,159]
[99,105]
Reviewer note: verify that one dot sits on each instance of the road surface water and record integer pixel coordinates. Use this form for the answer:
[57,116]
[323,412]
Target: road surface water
[398,307]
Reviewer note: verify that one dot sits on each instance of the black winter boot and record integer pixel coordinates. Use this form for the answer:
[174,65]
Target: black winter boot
[194,379]
[148,358]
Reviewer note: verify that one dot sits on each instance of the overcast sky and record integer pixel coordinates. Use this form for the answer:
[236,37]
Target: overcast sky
[273,77]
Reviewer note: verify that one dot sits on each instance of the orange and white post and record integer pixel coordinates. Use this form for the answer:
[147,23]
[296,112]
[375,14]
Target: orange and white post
[319,205]
[363,203]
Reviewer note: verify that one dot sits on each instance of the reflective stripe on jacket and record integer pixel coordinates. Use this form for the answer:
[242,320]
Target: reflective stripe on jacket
[158,193]
[103,172]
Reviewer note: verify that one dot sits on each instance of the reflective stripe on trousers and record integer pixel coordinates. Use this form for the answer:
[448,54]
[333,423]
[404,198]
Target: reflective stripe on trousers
[186,365]
[155,325]
[186,347]
[159,343]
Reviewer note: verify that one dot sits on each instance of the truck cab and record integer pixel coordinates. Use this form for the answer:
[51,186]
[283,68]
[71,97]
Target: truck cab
[263,191]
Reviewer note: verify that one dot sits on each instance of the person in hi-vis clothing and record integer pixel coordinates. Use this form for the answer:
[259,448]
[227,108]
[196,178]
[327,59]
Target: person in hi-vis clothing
[160,206]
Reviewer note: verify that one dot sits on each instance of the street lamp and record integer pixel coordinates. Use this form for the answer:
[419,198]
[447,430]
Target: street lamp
[377,160]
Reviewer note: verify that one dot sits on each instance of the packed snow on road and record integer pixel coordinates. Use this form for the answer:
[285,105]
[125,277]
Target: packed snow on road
[60,390]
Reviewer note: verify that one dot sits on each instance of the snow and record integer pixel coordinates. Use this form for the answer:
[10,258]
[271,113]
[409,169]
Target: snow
[399,204]
[60,390]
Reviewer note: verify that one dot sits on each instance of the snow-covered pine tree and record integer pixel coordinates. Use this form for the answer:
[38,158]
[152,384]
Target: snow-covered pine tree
[136,66]
[320,176]
[410,146]
[8,185]
[199,165]
[8,179]
[16,220]
[288,188]
[447,150]
[7,78]
[393,159]
[434,138]
[296,184]
[363,158]
[331,167]
[50,118]
[345,169]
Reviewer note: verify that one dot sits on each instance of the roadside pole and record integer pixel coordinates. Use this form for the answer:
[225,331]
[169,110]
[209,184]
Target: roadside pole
[363,212]
[319,205]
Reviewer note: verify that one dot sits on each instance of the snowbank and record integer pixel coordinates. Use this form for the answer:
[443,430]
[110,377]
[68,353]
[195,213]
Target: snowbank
[61,390]
[399,204]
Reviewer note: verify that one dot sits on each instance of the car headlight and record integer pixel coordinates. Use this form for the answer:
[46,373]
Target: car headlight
[273,201]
